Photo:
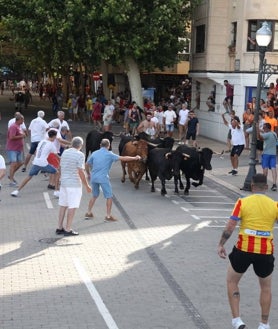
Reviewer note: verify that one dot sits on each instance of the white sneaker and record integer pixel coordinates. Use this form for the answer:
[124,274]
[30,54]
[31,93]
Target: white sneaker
[264,326]
[15,193]
[56,194]
[238,324]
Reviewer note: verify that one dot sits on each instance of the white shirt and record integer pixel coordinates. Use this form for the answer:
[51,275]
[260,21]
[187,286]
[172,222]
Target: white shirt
[238,137]
[56,122]
[38,128]
[2,162]
[183,115]
[170,117]
[44,148]
[22,126]
[56,142]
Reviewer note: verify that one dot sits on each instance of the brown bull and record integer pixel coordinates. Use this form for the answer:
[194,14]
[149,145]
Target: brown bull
[136,169]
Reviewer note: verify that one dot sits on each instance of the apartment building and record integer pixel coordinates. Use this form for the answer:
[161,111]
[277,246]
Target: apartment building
[223,48]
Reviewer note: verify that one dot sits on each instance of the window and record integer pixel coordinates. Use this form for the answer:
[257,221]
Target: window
[200,38]
[253,26]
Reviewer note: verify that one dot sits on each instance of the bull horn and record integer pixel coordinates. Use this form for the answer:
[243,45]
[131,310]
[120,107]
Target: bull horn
[218,153]
[167,154]
[152,144]
[186,155]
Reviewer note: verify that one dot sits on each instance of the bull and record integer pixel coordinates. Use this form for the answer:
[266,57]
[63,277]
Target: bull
[136,169]
[94,138]
[194,168]
[164,164]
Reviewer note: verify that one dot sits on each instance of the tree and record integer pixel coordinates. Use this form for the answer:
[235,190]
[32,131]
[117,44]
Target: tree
[140,35]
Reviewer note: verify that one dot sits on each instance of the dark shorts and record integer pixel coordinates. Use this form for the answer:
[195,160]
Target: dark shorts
[33,147]
[236,150]
[260,145]
[191,134]
[229,99]
[263,265]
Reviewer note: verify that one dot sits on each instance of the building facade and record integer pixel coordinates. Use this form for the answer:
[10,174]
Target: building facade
[223,47]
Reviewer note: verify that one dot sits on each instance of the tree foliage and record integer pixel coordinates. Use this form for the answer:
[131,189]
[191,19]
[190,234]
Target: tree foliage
[58,33]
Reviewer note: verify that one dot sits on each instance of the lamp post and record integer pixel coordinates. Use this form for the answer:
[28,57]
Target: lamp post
[263,38]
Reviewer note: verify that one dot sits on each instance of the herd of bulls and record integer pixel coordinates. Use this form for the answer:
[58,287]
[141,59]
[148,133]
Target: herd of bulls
[158,158]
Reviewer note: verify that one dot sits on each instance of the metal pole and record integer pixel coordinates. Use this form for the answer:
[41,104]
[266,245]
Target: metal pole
[253,152]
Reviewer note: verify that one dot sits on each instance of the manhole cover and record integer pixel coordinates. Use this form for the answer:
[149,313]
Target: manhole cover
[57,241]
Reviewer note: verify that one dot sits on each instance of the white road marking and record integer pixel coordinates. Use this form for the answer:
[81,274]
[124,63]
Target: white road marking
[95,295]
[47,200]
[195,217]
[201,225]
[206,209]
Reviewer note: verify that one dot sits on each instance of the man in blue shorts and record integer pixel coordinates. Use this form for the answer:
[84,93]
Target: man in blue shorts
[269,151]
[40,162]
[97,167]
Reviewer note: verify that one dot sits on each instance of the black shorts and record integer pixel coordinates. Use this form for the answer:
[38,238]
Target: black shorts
[191,134]
[263,265]
[237,149]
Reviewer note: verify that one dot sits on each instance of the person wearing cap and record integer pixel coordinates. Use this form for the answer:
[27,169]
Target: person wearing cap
[238,142]
[169,118]
[37,128]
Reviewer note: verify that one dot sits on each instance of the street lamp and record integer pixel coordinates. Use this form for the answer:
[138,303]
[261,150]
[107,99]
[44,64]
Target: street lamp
[263,38]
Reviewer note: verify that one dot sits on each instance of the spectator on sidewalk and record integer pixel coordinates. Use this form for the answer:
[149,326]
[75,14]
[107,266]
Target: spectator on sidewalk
[97,167]
[257,215]
[228,101]
[269,152]
[248,118]
[72,178]
[238,141]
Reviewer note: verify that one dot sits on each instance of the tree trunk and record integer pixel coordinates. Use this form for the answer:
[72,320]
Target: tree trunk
[134,80]
[104,71]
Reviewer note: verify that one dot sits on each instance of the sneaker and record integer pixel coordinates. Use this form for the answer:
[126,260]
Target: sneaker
[274,187]
[60,231]
[15,193]
[264,326]
[234,172]
[23,169]
[70,233]
[51,187]
[13,184]
[88,215]
[238,324]
[110,219]
[230,172]
[56,194]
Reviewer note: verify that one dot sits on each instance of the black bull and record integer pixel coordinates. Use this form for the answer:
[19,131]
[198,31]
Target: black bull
[192,162]
[94,138]
[194,168]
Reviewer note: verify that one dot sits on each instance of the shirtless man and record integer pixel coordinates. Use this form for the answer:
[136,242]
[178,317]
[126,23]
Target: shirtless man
[148,126]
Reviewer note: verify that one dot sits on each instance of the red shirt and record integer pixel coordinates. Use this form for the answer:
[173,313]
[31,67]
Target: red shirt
[14,144]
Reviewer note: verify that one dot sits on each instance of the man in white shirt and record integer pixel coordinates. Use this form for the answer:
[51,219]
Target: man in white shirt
[61,123]
[40,162]
[2,169]
[37,129]
[238,142]
[170,117]
[183,116]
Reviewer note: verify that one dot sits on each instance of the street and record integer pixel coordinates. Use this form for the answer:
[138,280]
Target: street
[156,267]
